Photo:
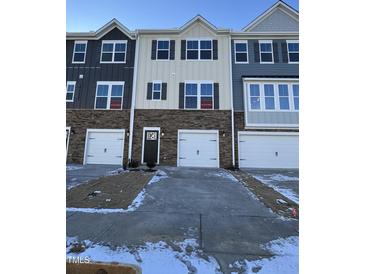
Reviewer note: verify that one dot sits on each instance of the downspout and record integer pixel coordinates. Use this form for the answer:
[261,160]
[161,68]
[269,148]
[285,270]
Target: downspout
[232,110]
[131,122]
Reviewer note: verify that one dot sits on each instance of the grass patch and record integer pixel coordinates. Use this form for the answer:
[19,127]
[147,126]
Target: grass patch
[117,191]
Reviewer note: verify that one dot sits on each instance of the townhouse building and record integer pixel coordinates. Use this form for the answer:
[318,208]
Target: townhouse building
[99,75]
[183,96]
[265,80]
[197,95]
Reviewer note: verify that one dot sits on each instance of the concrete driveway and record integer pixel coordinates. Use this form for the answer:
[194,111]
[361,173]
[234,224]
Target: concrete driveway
[285,181]
[209,205]
[76,174]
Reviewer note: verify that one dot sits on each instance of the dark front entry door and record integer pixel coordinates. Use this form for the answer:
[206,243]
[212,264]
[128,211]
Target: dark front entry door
[150,146]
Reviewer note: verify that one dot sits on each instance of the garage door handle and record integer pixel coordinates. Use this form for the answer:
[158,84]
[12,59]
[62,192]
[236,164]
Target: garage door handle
[105,150]
[182,140]
[182,158]
[242,159]
[213,158]
[90,156]
[276,154]
[213,140]
[118,156]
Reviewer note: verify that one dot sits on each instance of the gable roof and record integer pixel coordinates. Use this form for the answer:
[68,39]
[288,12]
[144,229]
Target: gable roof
[198,18]
[114,23]
[290,11]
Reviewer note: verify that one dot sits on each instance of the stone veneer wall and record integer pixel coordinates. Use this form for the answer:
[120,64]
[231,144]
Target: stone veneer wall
[81,119]
[239,125]
[170,121]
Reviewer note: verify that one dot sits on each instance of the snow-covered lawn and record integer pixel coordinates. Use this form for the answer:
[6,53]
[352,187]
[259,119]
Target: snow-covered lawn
[285,262]
[137,202]
[152,258]
[275,181]
[71,167]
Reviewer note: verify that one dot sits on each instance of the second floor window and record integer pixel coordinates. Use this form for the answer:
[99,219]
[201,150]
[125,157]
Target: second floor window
[240,48]
[199,95]
[266,52]
[293,51]
[273,96]
[199,50]
[113,52]
[79,55]
[70,91]
[109,95]
[163,49]
[156,90]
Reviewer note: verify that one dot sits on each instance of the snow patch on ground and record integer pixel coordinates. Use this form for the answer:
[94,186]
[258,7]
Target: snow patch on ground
[270,180]
[151,257]
[286,260]
[226,175]
[116,171]
[137,202]
[70,167]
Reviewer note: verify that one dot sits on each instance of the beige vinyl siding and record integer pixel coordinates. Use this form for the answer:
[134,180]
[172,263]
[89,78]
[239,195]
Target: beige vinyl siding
[175,71]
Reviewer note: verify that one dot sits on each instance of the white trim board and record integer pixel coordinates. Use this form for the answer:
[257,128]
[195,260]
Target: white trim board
[158,149]
[103,130]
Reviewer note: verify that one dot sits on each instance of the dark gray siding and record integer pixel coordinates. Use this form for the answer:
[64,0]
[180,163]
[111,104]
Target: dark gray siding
[93,71]
[255,69]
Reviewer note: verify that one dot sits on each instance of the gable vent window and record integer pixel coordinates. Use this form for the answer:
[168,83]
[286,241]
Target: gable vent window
[266,52]
[240,48]
[113,52]
[293,51]
[79,55]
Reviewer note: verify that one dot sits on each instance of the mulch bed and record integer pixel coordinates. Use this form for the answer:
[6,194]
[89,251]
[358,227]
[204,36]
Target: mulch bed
[268,195]
[117,191]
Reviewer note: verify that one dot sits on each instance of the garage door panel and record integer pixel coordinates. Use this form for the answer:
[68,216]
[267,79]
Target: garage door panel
[105,147]
[198,149]
[269,151]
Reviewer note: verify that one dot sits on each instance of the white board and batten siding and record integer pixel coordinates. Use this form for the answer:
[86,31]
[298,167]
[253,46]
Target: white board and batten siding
[268,150]
[198,148]
[104,146]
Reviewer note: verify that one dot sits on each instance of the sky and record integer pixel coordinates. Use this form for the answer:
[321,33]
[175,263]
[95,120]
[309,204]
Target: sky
[90,15]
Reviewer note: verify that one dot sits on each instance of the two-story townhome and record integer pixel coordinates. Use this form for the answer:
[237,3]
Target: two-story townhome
[183,101]
[100,68]
[265,80]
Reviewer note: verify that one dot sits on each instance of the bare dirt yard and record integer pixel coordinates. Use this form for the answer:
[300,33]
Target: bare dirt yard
[117,191]
[271,198]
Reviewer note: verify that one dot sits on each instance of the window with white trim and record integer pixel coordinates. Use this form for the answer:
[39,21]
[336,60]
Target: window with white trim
[156,90]
[199,49]
[283,97]
[199,95]
[163,49]
[109,95]
[240,48]
[266,51]
[293,51]
[113,51]
[79,54]
[70,91]
[269,96]
[273,96]
[255,100]
[296,96]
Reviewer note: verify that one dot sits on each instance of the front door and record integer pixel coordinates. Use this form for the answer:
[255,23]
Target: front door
[151,142]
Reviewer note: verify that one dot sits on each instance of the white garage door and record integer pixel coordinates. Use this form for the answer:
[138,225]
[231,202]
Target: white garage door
[198,148]
[269,151]
[104,147]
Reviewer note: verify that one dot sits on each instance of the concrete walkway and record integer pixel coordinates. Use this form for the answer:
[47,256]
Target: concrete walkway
[206,204]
